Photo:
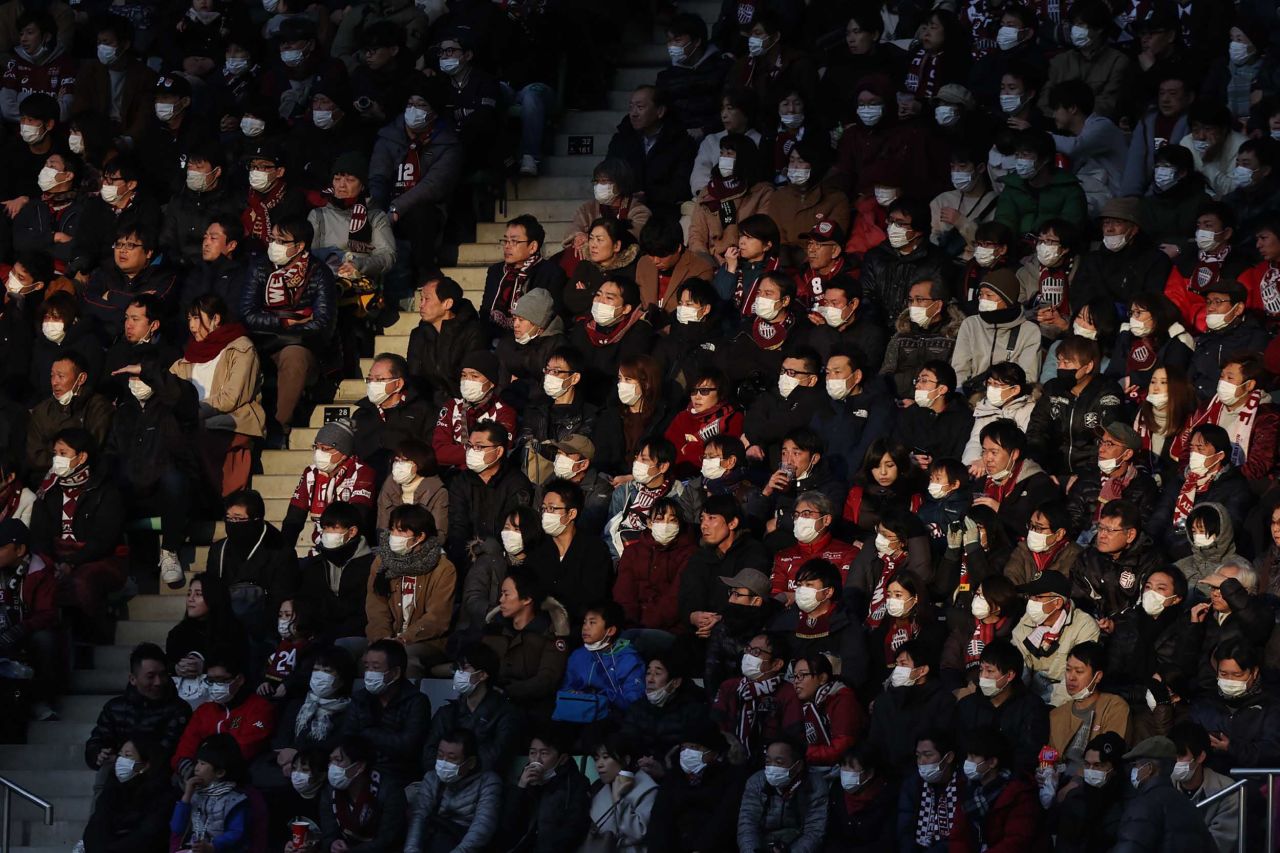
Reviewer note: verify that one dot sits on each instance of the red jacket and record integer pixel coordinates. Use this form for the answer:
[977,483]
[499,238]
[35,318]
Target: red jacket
[1266,306]
[789,560]
[1263,458]
[648,583]
[34,596]
[251,723]
[1012,824]
[1190,303]
[456,421]
[689,433]
[846,723]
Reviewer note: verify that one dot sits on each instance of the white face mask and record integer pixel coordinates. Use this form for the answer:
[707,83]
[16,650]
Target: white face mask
[322,119]
[338,778]
[1239,52]
[598,646]
[1139,330]
[125,768]
[472,390]
[1084,331]
[972,770]
[376,682]
[1037,542]
[792,120]
[896,607]
[677,53]
[805,529]
[476,461]
[140,390]
[787,384]
[1036,612]
[1157,399]
[323,460]
[899,235]
[553,524]
[447,771]
[628,392]
[376,391]
[1165,177]
[937,491]
[837,389]
[832,316]
[883,546]
[1115,242]
[75,142]
[995,396]
[1198,463]
[278,253]
[332,539]
[1024,168]
[1227,391]
[292,57]
[778,777]
[164,112]
[464,683]
[450,65]
[687,314]
[664,532]
[60,466]
[946,115]
[1135,777]
[108,54]
[512,542]
[712,469]
[1048,254]
[1080,36]
[1206,239]
[725,165]
[110,193]
[870,114]
[1200,146]
[1106,466]
[1216,321]
[415,118]
[564,467]
[900,676]
[692,762]
[12,284]
[47,179]
[252,127]
[798,176]
[1202,540]
[1153,602]
[806,598]
[884,198]
[1083,693]
[235,66]
[979,607]
[1007,38]
[555,386]
[985,256]
[989,686]
[284,627]
[198,182]
[765,308]
[641,473]
[924,398]
[850,780]
[259,180]
[1010,104]
[1231,688]
[605,314]
[219,692]
[1095,778]
[755,45]
[31,133]
[751,666]
[398,543]
[603,192]
[301,782]
[322,683]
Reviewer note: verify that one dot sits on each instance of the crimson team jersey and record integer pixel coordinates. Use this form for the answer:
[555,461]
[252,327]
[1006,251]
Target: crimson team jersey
[53,79]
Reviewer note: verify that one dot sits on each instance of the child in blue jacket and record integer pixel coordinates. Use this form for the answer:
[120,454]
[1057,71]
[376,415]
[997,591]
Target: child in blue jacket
[604,664]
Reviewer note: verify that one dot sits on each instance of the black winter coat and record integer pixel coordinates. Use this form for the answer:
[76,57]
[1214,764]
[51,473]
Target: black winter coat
[847,427]
[545,274]
[697,815]
[940,435]
[731,636]
[546,421]
[496,723]
[435,358]
[901,714]
[700,586]
[844,640]
[1212,347]
[1105,585]
[344,613]
[657,730]
[224,277]
[1229,488]
[320,298]
[272,565]
[98,522]
[97,230]
[772,416]
[130,714]
[1251,722]
[188,213]
[1140,267]
[478,509]
[378,435]
[1060,434]
[1250,620]
[662,172]
[396,729]
[36,223]
[1082,500]
[1142,646]
[131,816]
[549,818]
[693,92]
[1023,719]
[613,457]
[887,274]
[601,362]
[81,339]
[147,439]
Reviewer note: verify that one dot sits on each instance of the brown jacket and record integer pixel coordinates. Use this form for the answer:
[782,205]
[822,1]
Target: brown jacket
[1021,567]
[796,212]
[690,265]
[432,605]
[589,211]
[236,390]
[1110,714]
[430,494]
[708,236]
[93,92]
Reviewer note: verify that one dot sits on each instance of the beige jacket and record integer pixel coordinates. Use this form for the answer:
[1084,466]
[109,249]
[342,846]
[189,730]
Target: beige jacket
[708,236]
[237,386]
[430,494]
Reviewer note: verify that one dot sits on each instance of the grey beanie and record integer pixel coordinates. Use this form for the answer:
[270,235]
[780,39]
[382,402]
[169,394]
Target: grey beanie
[339,434]
[536,306]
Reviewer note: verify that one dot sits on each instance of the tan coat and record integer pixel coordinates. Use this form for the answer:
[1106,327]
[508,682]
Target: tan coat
[236,389]
[432,605]
[690,265]
[589,211]
[430,494]
[797,212]
[708,236]
[1021,568]
[1110,714]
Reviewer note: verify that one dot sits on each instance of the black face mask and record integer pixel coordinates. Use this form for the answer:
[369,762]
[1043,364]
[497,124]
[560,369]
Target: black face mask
[1001,315]
[742,617]
[1068,375]
[243,534]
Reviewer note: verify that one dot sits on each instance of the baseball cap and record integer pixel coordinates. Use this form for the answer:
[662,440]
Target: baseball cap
[752,579]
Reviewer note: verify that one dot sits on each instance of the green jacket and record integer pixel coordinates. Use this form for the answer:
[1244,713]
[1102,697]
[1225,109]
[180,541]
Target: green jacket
[1024,208]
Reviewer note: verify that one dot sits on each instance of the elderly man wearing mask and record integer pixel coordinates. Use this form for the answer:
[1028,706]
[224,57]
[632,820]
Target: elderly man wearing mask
[1051,627]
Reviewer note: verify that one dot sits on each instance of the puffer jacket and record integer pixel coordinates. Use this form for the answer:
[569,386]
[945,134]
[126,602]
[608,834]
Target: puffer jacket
[1204,560]
[1061,434]
[1023,208]
[980,344]
[1105,585]
[1251,722]
[130,714]
[1023,718]
[1139,268]
[887,274]
[911,346]
[471,805]
[1142,646]
[802,813]
[1017,410]
[35,225]
[318,295]
[188,213]
[440,161]
[616,673]
[395,729]
[1158,817]
[657,729]
[333,228]
[901,714]
[693,91]
[544,421]
[496,723]
[1228,488]
[1082,500]
[532,659]
[941,435]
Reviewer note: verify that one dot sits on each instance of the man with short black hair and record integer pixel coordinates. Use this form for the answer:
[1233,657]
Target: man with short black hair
[234,708]
[459,801]
[906,256]
[926,330]
[391,413]
[796,398]
[391,712]
[938,423]
[572,566]
[695,80]
[1003,700]
[651,480]
[489,490]
[133,273]
[727,549]
[204,197]
[1193,777]
[657,148]
[522,268]
[337,575]
[148,707]
[666,263]
[480,708]
[840,321]
[447,330]
[859,411]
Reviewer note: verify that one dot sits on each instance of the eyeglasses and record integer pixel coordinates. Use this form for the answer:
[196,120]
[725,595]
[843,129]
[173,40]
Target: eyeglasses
[921,300]
[759,652]
[921,381]
[556,371]
[126,245]
[703,392]
[1106,442]
[796,676]
[549,508]
[380,379]
[235,519]
[793,373]
[807,513]
[1039,528]
[1102,529]
[479,446]
[510,241]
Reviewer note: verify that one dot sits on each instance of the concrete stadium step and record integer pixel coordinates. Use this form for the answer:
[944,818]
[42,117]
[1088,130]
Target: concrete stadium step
[566,166]
[59,756]
[549,210]
[599,141]
[479,253]
[128,633]
[150,608]
[407,322]
[470,279]
[63,832]
[576,186]
[59,731]
[629,79]
[398,344]
[47,782]
[643,55]
[285,462]
[594,122]
[279,486]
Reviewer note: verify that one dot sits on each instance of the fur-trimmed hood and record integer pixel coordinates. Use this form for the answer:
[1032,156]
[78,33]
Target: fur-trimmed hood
[949,329]
[552,612]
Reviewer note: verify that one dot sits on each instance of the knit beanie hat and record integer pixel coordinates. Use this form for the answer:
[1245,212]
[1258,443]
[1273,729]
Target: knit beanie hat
[483,362]
[1004,282]
[339,434]
[536,306]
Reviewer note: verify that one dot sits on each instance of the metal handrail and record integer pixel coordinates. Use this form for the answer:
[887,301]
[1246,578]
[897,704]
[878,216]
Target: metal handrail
[11,788]
[1223,794]
[1270,773]
[1234,789]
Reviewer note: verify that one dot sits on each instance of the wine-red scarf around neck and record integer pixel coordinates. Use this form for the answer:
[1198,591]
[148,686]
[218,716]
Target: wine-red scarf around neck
[601,336]
[772,335]
[202,352]
[257,211]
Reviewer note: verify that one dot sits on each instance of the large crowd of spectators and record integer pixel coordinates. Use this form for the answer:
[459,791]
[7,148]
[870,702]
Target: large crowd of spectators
[883,458]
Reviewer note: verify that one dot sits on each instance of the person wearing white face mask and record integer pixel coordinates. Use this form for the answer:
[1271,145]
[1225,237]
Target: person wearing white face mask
[785,774]
[807,200]
[1007,396]
[666,269]
[412,589]
[841,326]
[47,224]
[603,666]
[334,473]
[1169,817]
[956,214]
[1239,406]
[354,777]
[761,700]
[482,496]
[1214,143]
[1143,648]
[234,710]
[708,415]
[525,352]
[391,412]
[390,708]
[270,198]
[617,325]
[1235,711]
[613,186]
[1040,190]
[457,800]
[413,478]
[200,197]
[929,754]
[572,566]
[738,188]
[1047,547]
[1094,145]
[649,570]
[1193,777]
[1230,329]
[937,424]
[1002,700]
[479,709]
[814,539]
[651,478]
[824,252]
[38,115]
[1052,626]
[1090,711]
[476,400]
[987,768]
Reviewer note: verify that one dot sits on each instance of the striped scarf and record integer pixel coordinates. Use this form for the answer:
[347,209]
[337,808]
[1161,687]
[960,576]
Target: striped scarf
[937,811]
